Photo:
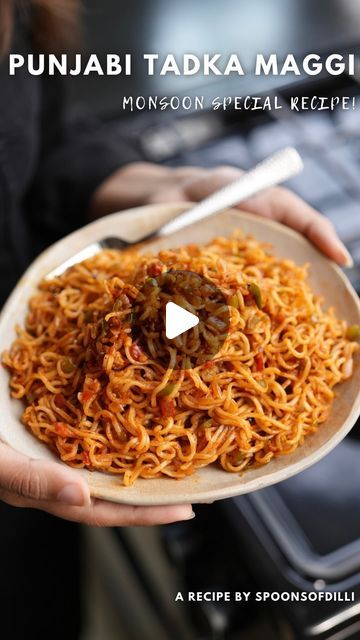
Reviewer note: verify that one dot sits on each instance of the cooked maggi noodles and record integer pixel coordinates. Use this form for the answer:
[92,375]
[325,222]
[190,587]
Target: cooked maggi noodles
[105,397]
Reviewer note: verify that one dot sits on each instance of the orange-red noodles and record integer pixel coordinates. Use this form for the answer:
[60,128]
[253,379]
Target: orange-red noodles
[102,401]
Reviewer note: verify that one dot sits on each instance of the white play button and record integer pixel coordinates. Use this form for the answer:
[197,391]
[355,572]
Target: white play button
[178,320]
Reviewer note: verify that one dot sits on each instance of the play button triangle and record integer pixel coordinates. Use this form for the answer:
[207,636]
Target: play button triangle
[178,320]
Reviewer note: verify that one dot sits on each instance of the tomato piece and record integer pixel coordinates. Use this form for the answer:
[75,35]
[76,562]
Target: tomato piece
[87,395]
[154,269]
[208,365]
[259,362]
[62,429]
[91,388]
[280,317]
[60,400]
[167,407]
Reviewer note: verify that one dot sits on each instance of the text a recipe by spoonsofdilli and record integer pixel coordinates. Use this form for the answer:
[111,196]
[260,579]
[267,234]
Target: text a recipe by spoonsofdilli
[242,597]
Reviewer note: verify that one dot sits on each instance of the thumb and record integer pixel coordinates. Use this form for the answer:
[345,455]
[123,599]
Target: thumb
[201,186]
[39,480]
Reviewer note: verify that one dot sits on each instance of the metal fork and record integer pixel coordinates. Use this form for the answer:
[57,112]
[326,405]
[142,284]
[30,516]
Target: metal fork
[273,170]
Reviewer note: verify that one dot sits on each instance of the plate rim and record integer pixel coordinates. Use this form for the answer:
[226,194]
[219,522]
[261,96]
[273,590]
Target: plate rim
[85,236]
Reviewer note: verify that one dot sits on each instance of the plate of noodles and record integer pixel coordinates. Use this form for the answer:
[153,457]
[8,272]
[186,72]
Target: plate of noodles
[281,392]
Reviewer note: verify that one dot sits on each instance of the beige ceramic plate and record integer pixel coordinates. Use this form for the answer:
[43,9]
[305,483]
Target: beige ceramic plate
[210,483]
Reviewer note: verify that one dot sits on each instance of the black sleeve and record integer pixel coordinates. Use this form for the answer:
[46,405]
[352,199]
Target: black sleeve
[77,153]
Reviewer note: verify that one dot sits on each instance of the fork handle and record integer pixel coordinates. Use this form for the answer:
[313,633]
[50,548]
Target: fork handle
[279,167]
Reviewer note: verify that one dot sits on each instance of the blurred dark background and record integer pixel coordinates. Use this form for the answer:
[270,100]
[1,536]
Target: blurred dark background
[303,534]
[246,27]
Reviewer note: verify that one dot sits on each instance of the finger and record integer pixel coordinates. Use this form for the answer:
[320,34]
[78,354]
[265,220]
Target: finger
[40,480]
[322,233]
[284,206]
[201,186]
[101,513]
[109,514]
[281,205]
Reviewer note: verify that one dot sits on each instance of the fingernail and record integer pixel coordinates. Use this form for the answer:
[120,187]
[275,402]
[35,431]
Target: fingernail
[348,261]
[72,495]
[191,516]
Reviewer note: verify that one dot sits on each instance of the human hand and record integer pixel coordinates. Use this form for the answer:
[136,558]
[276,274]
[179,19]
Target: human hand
[280,204]
[62,491]
[144,183]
